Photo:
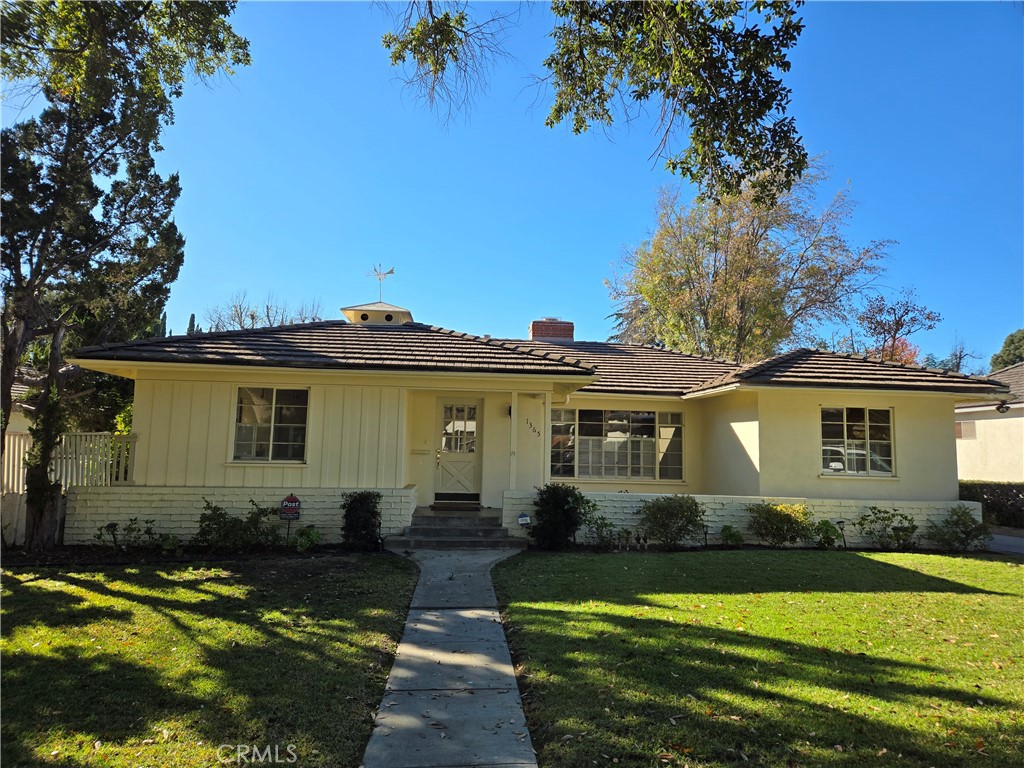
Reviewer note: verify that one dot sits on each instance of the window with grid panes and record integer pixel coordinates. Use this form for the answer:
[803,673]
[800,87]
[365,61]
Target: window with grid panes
[270,424]
[856,441]
[641,445]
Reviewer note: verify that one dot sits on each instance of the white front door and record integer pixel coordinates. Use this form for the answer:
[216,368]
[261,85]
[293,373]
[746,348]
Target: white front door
[457,453]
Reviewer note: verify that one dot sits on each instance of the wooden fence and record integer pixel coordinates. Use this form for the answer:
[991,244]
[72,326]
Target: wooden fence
[81,458]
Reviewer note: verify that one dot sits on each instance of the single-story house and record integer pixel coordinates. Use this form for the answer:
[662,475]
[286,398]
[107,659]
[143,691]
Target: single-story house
[990,433]
[426,415]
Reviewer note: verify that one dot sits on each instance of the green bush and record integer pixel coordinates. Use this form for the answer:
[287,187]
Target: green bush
[134,535]
[561,509]
[780,524]
[731,536]
[1001,503]
[362,519]
[960,531]
[887,528]
[669,519]
[221,532]
[601,532]
[304,538]
[825,534]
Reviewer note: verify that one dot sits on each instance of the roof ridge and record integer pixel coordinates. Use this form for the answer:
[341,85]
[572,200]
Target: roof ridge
[652,347]
[226,333]
[575,363]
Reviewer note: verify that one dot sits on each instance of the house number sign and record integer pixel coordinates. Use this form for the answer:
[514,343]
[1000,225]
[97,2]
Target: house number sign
[532,427]
[290,507]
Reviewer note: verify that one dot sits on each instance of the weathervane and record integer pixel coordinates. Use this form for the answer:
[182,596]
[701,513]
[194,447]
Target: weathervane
[380,273]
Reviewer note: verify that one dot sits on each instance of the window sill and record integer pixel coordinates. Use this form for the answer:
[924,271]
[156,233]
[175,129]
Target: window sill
[268,463]
[841,476]
[616,480]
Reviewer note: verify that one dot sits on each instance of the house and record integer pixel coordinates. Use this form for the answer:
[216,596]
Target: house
[428,416]
[990,434]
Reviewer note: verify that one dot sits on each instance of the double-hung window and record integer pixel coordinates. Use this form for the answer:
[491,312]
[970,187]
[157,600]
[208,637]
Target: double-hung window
[857,441]
[270,424]
[598,444]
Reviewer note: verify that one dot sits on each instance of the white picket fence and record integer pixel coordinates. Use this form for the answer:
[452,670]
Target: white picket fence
[81,458]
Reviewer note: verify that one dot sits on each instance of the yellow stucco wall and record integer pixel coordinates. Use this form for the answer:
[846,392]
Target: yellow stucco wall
[730,448]
[996,452]
[790,446]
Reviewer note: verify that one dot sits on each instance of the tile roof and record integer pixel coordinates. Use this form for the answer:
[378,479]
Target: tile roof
[336,344]
[635,369]
[818,368]
[1011,376]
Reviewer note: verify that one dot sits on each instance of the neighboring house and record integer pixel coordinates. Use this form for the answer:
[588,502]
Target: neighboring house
[427,415]
[990,434]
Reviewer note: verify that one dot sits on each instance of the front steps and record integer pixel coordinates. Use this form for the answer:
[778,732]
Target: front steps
[455,529]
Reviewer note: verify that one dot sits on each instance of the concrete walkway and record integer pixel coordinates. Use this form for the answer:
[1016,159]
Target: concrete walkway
[452,699]
[1008,541]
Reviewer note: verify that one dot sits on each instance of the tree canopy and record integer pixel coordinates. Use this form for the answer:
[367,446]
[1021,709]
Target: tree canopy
[888,324]
[88,243]
[1011,352]
[738,279]
[711,71]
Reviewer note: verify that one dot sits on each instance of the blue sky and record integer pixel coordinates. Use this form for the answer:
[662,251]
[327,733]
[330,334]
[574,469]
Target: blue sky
[307,168]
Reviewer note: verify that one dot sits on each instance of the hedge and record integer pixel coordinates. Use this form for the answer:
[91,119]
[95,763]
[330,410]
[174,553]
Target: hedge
[1001,503]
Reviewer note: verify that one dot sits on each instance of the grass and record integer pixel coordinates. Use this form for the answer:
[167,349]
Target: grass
[799,658]
[160,666]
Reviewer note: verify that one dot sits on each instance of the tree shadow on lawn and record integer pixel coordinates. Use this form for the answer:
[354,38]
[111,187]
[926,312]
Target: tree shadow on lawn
[272,653]
[732,572]
[644,686]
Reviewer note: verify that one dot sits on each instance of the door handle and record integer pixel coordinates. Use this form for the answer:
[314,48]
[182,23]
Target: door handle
[437,457]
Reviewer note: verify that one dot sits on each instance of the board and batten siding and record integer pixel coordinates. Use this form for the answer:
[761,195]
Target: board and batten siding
[355,437]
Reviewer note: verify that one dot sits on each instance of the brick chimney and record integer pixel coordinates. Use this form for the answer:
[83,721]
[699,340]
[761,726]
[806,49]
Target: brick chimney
[551,329]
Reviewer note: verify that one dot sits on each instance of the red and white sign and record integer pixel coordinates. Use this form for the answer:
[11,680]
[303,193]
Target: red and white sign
[290,507]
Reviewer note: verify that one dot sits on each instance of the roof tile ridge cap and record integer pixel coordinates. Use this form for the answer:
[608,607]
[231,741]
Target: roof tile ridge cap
[705,358]
[512,347]
[752,369]
[919,367]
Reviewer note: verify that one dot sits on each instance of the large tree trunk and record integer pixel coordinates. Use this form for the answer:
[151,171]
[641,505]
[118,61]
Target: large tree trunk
[43,496]
[13,347]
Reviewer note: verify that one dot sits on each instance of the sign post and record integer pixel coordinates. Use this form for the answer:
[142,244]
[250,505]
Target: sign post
[290,510]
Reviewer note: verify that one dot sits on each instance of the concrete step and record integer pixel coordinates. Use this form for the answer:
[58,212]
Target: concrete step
[442,521]
[465,531]
[452,542]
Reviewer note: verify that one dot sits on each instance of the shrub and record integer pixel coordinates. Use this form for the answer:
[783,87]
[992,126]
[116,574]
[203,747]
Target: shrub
[731,536]
[779,524]
[887,528]
[825,534]
[362,518]
[1001,503]
[133,535]
[960,531]
[601,532]
[222,532]
[561,510]
[668,519]
[305,538]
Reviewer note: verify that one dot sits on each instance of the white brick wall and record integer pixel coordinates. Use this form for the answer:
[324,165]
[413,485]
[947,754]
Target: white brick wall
[621,509]
[177,510]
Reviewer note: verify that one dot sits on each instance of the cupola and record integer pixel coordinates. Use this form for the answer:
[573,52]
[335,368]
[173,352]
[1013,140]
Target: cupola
[377,313]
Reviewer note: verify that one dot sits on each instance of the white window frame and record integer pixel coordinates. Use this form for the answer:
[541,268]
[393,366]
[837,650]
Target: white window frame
[635,446]
[846,449]
[233,446]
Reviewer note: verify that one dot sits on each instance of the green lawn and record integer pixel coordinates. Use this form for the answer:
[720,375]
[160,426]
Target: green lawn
[800,658]
[161,665]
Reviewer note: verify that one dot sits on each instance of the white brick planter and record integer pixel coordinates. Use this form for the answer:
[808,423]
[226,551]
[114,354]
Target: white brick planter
[621,509]
[176,510]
